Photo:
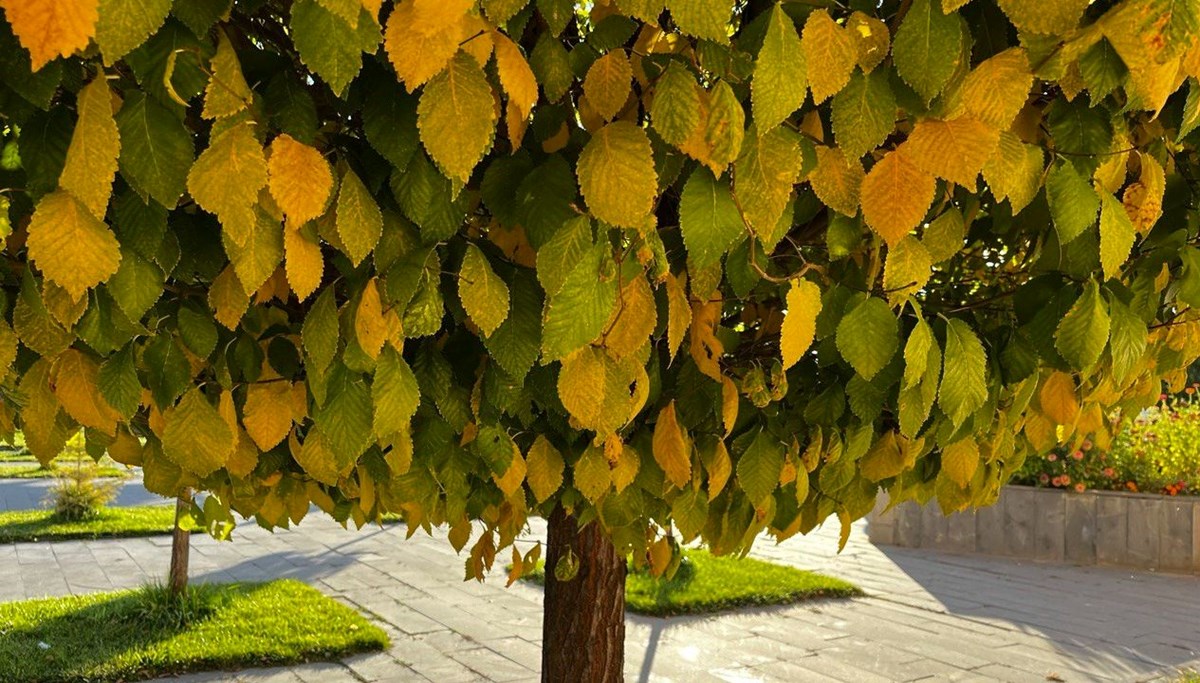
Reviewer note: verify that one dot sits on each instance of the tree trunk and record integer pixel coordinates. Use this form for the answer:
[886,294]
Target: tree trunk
[583,623]
[177,578]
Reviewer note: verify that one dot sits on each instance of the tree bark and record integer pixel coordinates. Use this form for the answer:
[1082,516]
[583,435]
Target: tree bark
[177,577]
[583,622]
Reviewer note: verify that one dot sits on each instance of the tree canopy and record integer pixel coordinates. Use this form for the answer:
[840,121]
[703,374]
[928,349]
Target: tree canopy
[687,268]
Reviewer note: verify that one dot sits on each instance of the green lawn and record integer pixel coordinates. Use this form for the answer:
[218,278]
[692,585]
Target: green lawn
[129,635]
[707,583]
[36,471]
[39,525]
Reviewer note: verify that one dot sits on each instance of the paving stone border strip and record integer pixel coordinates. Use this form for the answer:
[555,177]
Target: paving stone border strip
[1142,531]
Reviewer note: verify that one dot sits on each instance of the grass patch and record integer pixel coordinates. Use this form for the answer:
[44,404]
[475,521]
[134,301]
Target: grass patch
[139,634]
[41,525]
[707,583]
[34,470]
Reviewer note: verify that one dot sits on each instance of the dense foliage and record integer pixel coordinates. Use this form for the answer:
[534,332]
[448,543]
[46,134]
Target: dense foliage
[703,267]
[1155,452]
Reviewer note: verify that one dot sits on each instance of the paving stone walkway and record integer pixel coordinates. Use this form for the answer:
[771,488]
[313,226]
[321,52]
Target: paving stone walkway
[927,616]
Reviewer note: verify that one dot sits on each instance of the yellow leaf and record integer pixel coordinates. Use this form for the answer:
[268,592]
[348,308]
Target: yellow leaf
[830,53]
[1015,171]
[629,461]
[729,404]
[719,467]
[907,269]
[896,194]
[244,457]
[51,28]
[679,312]
[228,299]
[265,415]
[369,326]
[430,16]
[633,319]
[42,421]
[997,88]
[304,263]
[227,177]
[671,449]
[1143,200]
[800,321]
[955,150]
[607,84]
[960,460]
[872,41]
[227,92]
[95,145]
[514,476]
[837,180]
[1058,400]
[195,437]
[70,245]
[582,384]
[706,349]
[299,179]
[417,51]
[75,384]
[617,176]
[519,84]
[457,117]
[545,469]
[359,220]
[61,306]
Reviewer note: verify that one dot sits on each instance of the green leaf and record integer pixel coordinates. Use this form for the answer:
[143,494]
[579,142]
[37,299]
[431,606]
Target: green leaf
[1102,70]
[124,24]
[329,45]
[197,330]
[484,295]
[868,336]
[964,373]
[1073,201]
[928,47]
[359,220]
[262,252]
[765,173]
[390,124]
[495,447]
[551,65]
[515,345]
[708,218]
[675,111]
[156,149]
[320,332]
[345,418]
[118,382]
[194,435]
[759,466]
[591,475]
[1127,341]
[457,117]
[689,512]
[864,113]
[780,80]
[136,285]
[394,393]
[576,314]
[562,253]
[1082,334]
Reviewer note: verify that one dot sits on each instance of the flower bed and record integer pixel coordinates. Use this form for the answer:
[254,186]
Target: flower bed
[1158,452]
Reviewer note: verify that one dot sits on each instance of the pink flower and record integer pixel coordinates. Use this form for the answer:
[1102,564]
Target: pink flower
[1043,477]
[1053,457]
[1078,455]
[1110,472]
[1087,445]
[1066,479]
[1079,488]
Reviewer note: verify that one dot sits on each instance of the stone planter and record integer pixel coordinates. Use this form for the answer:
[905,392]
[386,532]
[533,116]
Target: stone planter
[1052,525]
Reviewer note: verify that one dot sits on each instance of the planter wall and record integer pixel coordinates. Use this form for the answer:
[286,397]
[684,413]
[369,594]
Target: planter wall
[1053,525]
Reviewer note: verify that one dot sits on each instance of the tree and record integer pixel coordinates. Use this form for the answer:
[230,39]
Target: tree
[605,263]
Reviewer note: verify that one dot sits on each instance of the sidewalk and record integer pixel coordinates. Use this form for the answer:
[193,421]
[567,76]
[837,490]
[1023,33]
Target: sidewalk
[927,616]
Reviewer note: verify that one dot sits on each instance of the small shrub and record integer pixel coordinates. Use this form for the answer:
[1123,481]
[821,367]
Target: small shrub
[78,495]
[157,606]
[1157,452]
